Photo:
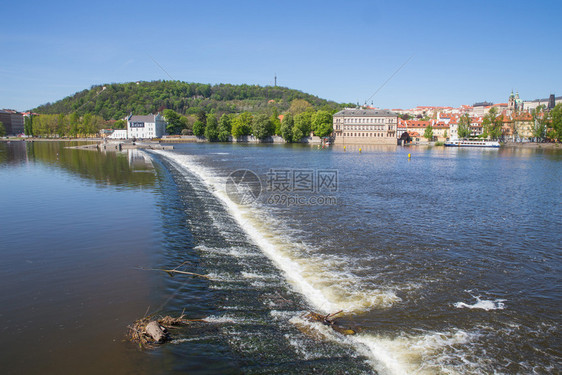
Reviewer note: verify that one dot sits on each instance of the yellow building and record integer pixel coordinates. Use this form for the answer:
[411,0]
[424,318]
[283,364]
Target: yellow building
[523,126]
[365,126]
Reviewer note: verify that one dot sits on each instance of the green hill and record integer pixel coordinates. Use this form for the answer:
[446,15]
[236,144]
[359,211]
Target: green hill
[116,100]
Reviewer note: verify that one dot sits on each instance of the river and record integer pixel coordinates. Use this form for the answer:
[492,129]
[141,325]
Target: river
[445,262]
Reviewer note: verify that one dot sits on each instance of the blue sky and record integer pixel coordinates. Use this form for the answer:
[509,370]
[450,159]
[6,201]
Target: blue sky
[461,52]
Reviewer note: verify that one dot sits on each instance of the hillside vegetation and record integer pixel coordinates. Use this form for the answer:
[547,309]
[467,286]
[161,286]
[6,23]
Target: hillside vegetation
[117,100]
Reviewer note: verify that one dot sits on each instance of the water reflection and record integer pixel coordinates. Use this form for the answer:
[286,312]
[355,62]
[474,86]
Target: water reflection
[105,168]
[68,279]
[12,153]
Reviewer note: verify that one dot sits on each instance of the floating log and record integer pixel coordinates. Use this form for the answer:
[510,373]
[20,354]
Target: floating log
[329,320]
[172,272]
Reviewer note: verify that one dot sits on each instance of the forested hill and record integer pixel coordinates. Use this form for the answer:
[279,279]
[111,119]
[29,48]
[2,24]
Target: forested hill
[116,100]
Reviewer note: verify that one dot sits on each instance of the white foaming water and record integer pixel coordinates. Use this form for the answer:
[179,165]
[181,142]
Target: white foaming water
[323,280]
[430,353]
[252,275]
[221,319]
[487,305]
[192,339]
[237,252]
[329,285]
[427,353]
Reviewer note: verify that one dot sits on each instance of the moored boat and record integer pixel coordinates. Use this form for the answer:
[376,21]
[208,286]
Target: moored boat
[472,143]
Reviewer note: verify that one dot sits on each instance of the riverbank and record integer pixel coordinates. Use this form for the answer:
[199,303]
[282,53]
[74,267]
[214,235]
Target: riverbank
[520,145]
[127,144]
[532,145]
[33,139]
[99,143]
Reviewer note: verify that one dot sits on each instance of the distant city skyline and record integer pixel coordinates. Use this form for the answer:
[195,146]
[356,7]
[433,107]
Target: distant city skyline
[432,53]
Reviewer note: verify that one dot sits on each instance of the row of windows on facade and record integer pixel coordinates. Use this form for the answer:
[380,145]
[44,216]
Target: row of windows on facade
[364,134]
[367,120]
[371,128]
[143,135]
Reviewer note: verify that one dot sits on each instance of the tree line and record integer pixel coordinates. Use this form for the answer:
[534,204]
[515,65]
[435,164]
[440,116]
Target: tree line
[297,122]
[61,125]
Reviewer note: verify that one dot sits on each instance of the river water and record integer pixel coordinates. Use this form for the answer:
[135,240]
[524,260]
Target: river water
[445,262]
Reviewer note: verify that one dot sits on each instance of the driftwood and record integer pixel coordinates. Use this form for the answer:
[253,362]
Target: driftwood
[154,330]
[329,320]
[173,271]
[148,331]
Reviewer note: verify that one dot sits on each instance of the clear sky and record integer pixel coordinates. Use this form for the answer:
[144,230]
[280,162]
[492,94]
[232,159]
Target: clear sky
[456,52]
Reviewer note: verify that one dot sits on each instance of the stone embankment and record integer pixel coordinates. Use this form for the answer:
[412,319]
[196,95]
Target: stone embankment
[120,146]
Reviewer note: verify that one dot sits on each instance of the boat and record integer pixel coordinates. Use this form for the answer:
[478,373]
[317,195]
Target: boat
[472,143]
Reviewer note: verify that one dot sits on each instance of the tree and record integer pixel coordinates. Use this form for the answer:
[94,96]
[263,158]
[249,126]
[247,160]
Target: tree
[428,133]
[61,125]
[464,126]
[202,116]
[2,129]
[225,127]
[86,124]
[28,125]
[276,122]
[445,134]
[302,127]
[74,124]
[538,128]
[287,127]
[492,124]
[322,123]
[175,123]
[212,128]
[555,115]
[299,106]
[262,126]
[242,125]
[199,128]
[120,124]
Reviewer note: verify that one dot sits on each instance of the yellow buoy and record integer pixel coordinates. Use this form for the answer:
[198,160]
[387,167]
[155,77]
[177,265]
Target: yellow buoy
[409,156]
[359,149]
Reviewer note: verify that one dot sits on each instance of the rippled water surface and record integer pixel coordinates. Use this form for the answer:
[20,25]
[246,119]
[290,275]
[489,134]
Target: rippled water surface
[447,262]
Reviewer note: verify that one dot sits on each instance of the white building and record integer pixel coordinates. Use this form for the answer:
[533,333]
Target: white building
[454,129]
[118,134]
[548,103]
[143,127]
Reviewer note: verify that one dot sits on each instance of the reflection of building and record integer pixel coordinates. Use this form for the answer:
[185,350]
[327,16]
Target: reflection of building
[151,126]
[12,121]
[365,126]
[139,160]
